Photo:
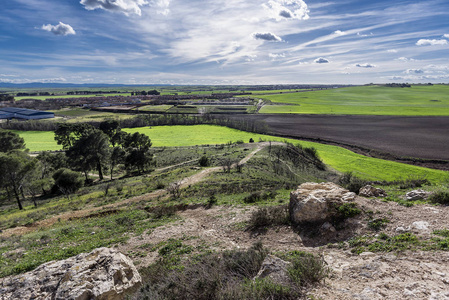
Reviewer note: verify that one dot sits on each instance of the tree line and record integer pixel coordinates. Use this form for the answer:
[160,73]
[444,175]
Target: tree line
[151,120]
[87,149]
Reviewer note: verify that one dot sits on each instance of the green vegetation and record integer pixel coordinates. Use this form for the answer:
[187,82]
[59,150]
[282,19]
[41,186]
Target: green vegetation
[340,159]
[418,100]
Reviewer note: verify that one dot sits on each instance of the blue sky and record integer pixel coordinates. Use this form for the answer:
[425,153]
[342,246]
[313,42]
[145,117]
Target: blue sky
[224,41]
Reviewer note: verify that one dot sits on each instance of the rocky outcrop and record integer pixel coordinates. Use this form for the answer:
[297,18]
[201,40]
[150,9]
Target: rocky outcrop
[417,195]
[316,202]
[103,274]
[275,269]
[371,191]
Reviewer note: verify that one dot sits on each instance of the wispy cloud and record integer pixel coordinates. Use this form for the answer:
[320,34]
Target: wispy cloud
[124,6]
[60,29]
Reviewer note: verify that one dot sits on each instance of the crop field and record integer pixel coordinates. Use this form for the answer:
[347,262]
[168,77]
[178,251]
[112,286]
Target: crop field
[418,100]
[156,108]
[419,137]
[338,158]
[84,115]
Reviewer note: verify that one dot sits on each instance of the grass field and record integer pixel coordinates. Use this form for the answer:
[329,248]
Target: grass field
[83,115]
[419,100]
[338,158]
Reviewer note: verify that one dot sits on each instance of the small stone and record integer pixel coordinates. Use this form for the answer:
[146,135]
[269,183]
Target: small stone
[421,225]
[371,191]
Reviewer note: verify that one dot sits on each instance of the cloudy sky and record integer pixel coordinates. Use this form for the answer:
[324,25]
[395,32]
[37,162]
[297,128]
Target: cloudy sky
[224,41]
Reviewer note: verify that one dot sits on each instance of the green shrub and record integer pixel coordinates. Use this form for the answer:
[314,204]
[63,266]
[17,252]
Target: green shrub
[440,197]
[378,224]
[348,210]
[266,216]
[306,268]
[251,140]
[204,161]
[351,182]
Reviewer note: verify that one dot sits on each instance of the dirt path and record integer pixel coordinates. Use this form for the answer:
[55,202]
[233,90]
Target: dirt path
[20,230]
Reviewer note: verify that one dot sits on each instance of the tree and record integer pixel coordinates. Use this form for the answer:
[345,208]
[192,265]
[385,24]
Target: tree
[89,152]
[15,168]
[67,134]
[117,157]
[137,146]
[10,141]
[68,181]
[110,128]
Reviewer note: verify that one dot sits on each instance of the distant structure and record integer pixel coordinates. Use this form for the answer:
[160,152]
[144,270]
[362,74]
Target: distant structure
[24,114]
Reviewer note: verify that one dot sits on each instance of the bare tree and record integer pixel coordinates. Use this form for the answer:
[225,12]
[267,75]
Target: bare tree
[174,189]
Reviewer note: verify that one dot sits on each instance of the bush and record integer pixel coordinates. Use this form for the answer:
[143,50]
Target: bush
[251,140]
[204,161]
[351,182]
[306,268]
[440,197]
[378,224]
[68,181]
[348,210]
[266,216]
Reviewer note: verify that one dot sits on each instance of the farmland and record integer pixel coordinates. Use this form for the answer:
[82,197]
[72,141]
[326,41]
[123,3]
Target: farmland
[418,100]
[338,158]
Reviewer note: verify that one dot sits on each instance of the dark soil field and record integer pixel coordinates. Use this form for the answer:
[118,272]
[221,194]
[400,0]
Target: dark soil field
[390,137]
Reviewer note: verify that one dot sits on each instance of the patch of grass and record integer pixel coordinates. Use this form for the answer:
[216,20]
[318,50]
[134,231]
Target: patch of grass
[69,238]
[377,224]
[348,210]
[364,100]
[306,268]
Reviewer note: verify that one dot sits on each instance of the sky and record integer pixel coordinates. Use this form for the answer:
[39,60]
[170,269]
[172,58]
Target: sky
[229,42]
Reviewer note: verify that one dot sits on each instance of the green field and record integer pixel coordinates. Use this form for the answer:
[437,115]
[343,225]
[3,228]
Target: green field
[418,100]
[158,108]
[338,158]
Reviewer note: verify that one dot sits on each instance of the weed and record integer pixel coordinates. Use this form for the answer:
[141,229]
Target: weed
[378,224]
[349,181]
[348,210]
[442,232]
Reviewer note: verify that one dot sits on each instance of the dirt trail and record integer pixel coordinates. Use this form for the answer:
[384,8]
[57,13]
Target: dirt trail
[158,193]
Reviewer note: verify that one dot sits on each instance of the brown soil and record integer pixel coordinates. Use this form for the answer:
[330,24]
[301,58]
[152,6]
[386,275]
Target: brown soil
[414,140]
[406,275]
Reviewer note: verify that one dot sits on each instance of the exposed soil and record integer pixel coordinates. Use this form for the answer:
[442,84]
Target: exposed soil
[405,275]
[388,137]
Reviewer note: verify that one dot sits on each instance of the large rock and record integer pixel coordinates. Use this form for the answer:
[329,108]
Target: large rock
[371,191]
[417,195]
[316,202]
[275,269]
[103,274]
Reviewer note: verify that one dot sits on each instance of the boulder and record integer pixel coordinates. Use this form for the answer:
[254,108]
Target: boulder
[417,195]
[103,274]
[371,191]
[275,269]
[316,202]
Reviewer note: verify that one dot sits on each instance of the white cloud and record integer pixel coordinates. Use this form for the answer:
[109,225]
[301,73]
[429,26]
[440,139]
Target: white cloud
[405,59]
[321,60]
[392,51]
[60,29]
[267,36]
[124,6]
[446,36]
[364,34]
[367,66]
[339,32]
[414,71]
[287,9]
[425,42]
[276,55]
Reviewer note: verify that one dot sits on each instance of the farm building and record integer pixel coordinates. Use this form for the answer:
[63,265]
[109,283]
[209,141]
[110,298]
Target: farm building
[23,113]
